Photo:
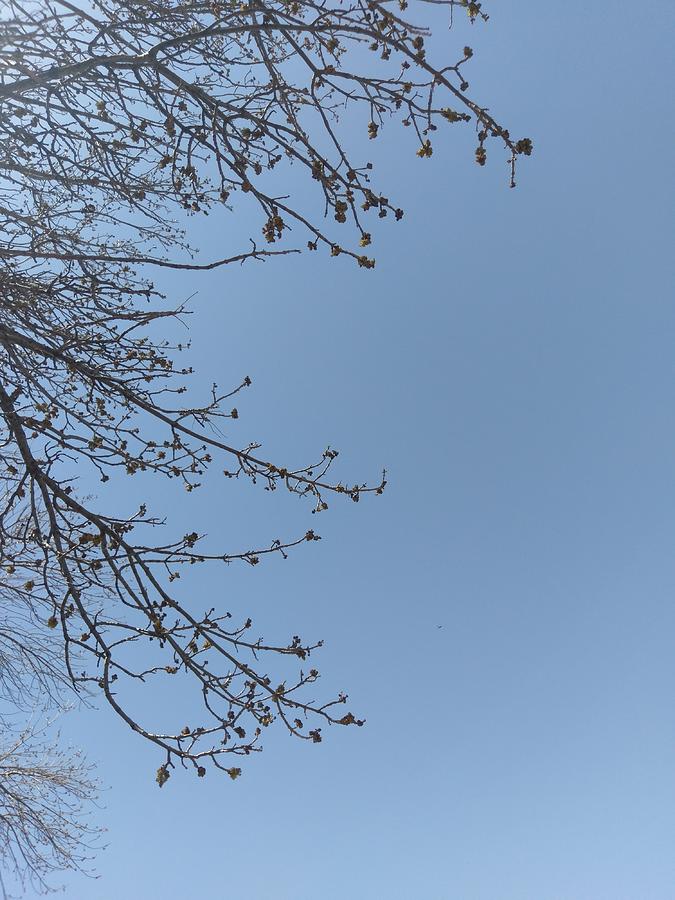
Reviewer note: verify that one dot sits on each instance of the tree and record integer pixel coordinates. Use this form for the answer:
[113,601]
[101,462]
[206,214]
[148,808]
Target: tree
[45,792]
[115,115]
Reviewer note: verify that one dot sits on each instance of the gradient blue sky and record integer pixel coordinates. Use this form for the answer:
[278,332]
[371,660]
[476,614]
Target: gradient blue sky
[511,361]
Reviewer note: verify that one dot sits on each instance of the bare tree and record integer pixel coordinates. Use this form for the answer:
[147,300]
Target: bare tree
[45,797]
[115,116]
[46,792]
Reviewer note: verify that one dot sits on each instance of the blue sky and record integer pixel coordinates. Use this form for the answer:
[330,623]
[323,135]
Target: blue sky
[510,360]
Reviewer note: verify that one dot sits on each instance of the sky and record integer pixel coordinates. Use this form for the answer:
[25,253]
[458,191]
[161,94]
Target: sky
[503,615]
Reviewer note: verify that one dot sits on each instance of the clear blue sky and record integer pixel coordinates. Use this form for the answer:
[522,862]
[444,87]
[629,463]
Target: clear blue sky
[511,360]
